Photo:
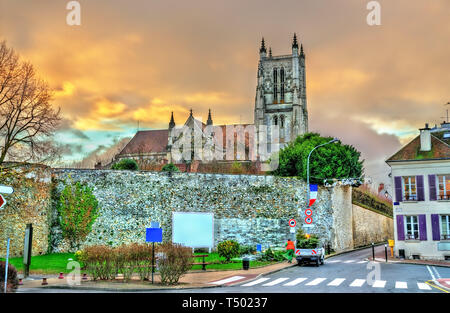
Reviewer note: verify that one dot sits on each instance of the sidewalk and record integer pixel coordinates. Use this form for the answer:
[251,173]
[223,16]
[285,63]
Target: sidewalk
[381,257]
[193,279]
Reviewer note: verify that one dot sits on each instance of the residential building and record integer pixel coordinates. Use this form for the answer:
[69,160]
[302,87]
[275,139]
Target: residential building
[421,190]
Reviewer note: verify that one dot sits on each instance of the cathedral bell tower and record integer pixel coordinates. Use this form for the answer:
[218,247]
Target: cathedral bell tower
[280,99]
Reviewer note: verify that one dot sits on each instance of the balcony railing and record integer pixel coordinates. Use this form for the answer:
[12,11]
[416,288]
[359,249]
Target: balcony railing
[410,198]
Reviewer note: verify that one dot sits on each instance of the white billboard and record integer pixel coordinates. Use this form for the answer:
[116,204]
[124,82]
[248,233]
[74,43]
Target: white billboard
[193,229]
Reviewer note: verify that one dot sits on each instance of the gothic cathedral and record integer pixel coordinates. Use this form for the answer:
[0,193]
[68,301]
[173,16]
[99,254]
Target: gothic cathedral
[281,93]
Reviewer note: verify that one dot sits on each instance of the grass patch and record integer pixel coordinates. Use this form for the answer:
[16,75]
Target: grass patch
[46,264]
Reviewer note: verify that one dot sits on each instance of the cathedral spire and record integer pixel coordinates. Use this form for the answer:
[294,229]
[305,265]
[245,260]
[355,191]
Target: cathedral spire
[294,42]
[209,121]
[263,46]
[302,54]
[270,52]
[172,122]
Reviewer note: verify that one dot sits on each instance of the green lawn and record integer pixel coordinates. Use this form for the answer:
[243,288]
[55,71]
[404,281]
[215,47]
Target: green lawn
[57,262]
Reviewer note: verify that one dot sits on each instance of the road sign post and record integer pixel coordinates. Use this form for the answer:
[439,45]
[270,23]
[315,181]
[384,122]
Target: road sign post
[27,250]
[153,235]
[6,265]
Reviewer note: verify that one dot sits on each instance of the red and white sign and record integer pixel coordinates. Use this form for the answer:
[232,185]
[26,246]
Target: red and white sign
[292,222]
[308,212]
[314,252]
[297,252]
[2,201]
[308,220]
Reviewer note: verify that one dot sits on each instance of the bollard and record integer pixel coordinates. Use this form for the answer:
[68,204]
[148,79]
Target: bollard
[61,275]
[84,276]
[20,282]
[44,281]
[373,252]
[385,252]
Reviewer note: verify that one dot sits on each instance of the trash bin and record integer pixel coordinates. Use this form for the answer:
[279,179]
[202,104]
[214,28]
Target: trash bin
[245,263]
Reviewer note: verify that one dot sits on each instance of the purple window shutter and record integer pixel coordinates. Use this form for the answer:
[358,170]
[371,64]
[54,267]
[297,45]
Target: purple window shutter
[400,228]
[435,227]
[420,188]
[422,227]
[432,184]
[398,188]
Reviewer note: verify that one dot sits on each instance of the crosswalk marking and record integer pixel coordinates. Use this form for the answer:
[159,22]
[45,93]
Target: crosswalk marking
[423,286]
[334,261]
[227,280]
[349,261]
[336,282]
[315,282]
[360,262]
[379,284]
[276,281]
[295,281]
[357,283]
[401,285]
[256,282]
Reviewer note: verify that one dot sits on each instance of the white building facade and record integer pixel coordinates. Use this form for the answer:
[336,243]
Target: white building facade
[421,192]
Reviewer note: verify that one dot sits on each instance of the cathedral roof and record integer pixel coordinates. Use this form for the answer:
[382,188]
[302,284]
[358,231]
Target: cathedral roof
[147,141]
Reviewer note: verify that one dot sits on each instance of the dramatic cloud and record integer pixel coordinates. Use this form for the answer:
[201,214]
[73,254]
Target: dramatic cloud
[133,63]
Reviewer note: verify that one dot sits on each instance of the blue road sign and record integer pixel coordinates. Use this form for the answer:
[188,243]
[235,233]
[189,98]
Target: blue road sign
[153,235]
[258,248]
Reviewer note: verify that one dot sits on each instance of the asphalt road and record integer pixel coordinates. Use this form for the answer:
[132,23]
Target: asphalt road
[346,273]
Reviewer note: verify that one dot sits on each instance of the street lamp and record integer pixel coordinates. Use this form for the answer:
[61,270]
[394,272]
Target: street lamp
[307,163]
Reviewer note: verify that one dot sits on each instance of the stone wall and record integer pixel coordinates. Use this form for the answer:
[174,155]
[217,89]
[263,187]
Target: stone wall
[369,226]
[248,208]
[30,203]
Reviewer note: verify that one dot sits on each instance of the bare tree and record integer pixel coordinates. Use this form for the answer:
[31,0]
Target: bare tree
[27,118]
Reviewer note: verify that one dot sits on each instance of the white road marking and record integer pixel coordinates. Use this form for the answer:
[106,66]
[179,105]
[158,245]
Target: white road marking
[401,285]
[336,282]
[431,272]
[349,261]
[227,280]
[379,284]
[360,262]
[436,272]
[334,261]
[357,283]
[276,281]
[295,281]
[315,282]
[423,286]
[256,282]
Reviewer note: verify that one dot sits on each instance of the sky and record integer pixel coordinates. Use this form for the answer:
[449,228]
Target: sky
[133,62]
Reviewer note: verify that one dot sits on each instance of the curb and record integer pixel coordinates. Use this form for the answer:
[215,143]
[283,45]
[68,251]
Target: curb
[121,289]
[412,263]
[437,285]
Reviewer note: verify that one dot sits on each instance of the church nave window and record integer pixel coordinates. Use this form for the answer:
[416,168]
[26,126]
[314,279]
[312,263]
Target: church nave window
[275,82]
[275,120]
[282,121]
[282,85]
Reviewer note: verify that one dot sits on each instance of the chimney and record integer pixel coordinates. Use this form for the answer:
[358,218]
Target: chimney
[380,187]
[425,138]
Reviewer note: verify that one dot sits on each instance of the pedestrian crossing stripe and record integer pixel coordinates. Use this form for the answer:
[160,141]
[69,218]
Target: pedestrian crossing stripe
[357,283]
[295,281]
[349,261]
[315,281]
[401,285]
[423,286]
[276,281]
[227,280]
[334,261]
[379,284]
[336,282]
[256,282]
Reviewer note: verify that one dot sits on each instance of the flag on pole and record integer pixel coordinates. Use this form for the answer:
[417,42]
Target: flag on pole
[312,194]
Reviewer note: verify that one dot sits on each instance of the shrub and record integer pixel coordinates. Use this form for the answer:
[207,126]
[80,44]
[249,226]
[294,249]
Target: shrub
[247,250]
[174,262]
[228,249]
[268,255]
[170,168]
[125,164]
[78,209]
[306,243]
[100,262]
[13,280]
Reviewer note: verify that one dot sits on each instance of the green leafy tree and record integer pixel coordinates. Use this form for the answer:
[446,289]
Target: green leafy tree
[330,161]
[125,164]
[170,168]
[78,208]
